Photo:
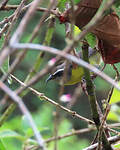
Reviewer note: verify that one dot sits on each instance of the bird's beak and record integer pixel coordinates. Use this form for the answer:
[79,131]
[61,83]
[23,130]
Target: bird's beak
[49,78]
[55,75]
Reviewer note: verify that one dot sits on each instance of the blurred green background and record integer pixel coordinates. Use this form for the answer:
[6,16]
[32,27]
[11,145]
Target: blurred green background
[16,130]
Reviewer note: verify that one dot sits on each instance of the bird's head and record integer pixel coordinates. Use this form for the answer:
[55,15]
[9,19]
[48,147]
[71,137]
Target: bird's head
[71,75]
[59,73]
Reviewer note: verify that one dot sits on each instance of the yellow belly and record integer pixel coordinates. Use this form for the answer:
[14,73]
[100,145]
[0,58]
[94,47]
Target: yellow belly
[76,76]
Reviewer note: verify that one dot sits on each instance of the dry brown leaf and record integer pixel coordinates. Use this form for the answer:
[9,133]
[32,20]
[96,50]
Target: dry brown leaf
[107,31]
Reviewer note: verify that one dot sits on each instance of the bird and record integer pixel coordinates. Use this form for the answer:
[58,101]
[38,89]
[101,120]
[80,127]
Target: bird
[74,73]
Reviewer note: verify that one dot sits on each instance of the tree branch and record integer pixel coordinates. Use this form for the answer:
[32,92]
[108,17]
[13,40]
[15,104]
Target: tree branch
[43,97]
[112,140]
[69,57]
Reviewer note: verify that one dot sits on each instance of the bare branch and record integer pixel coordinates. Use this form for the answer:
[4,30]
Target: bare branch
[111,140]
[74,132]
[3,4]
[42,96]
[69,57]
[4,29]
[17,35]
[16,15]
[8,19]
[12,7]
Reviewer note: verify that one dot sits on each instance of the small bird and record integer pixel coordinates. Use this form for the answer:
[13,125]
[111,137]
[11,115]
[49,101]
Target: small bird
[74,73]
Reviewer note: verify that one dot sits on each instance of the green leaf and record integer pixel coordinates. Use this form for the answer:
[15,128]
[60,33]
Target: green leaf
[28,130]
[10,134]
[115,98]
[114,113]
[113,116]
[77,1]
[61,4]
[117,3]
[91,39]
[116,145]
[2,146]
[76,31]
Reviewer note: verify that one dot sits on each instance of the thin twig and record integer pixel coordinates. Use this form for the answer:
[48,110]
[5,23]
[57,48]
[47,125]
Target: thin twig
[117,72]
[102,126]
[12,7]
[4,29]
[42,96]
[113,131]
[115,125]
[16,15]
[112,140]
[74,132]
[3,4]
[9,19]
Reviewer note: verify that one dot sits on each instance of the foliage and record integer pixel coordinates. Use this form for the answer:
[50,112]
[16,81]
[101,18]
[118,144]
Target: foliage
[61,3]
[18,130]
[16,133]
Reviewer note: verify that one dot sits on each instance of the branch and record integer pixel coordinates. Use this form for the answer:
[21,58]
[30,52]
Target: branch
[112,140]
[74,132]
[12,7]
[43,97]
[69,57]
[8,19]
[4,29]
[16,15]
[25,112]
[3,4]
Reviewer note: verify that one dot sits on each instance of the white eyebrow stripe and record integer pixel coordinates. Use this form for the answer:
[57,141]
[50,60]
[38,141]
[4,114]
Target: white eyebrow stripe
[58,71]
